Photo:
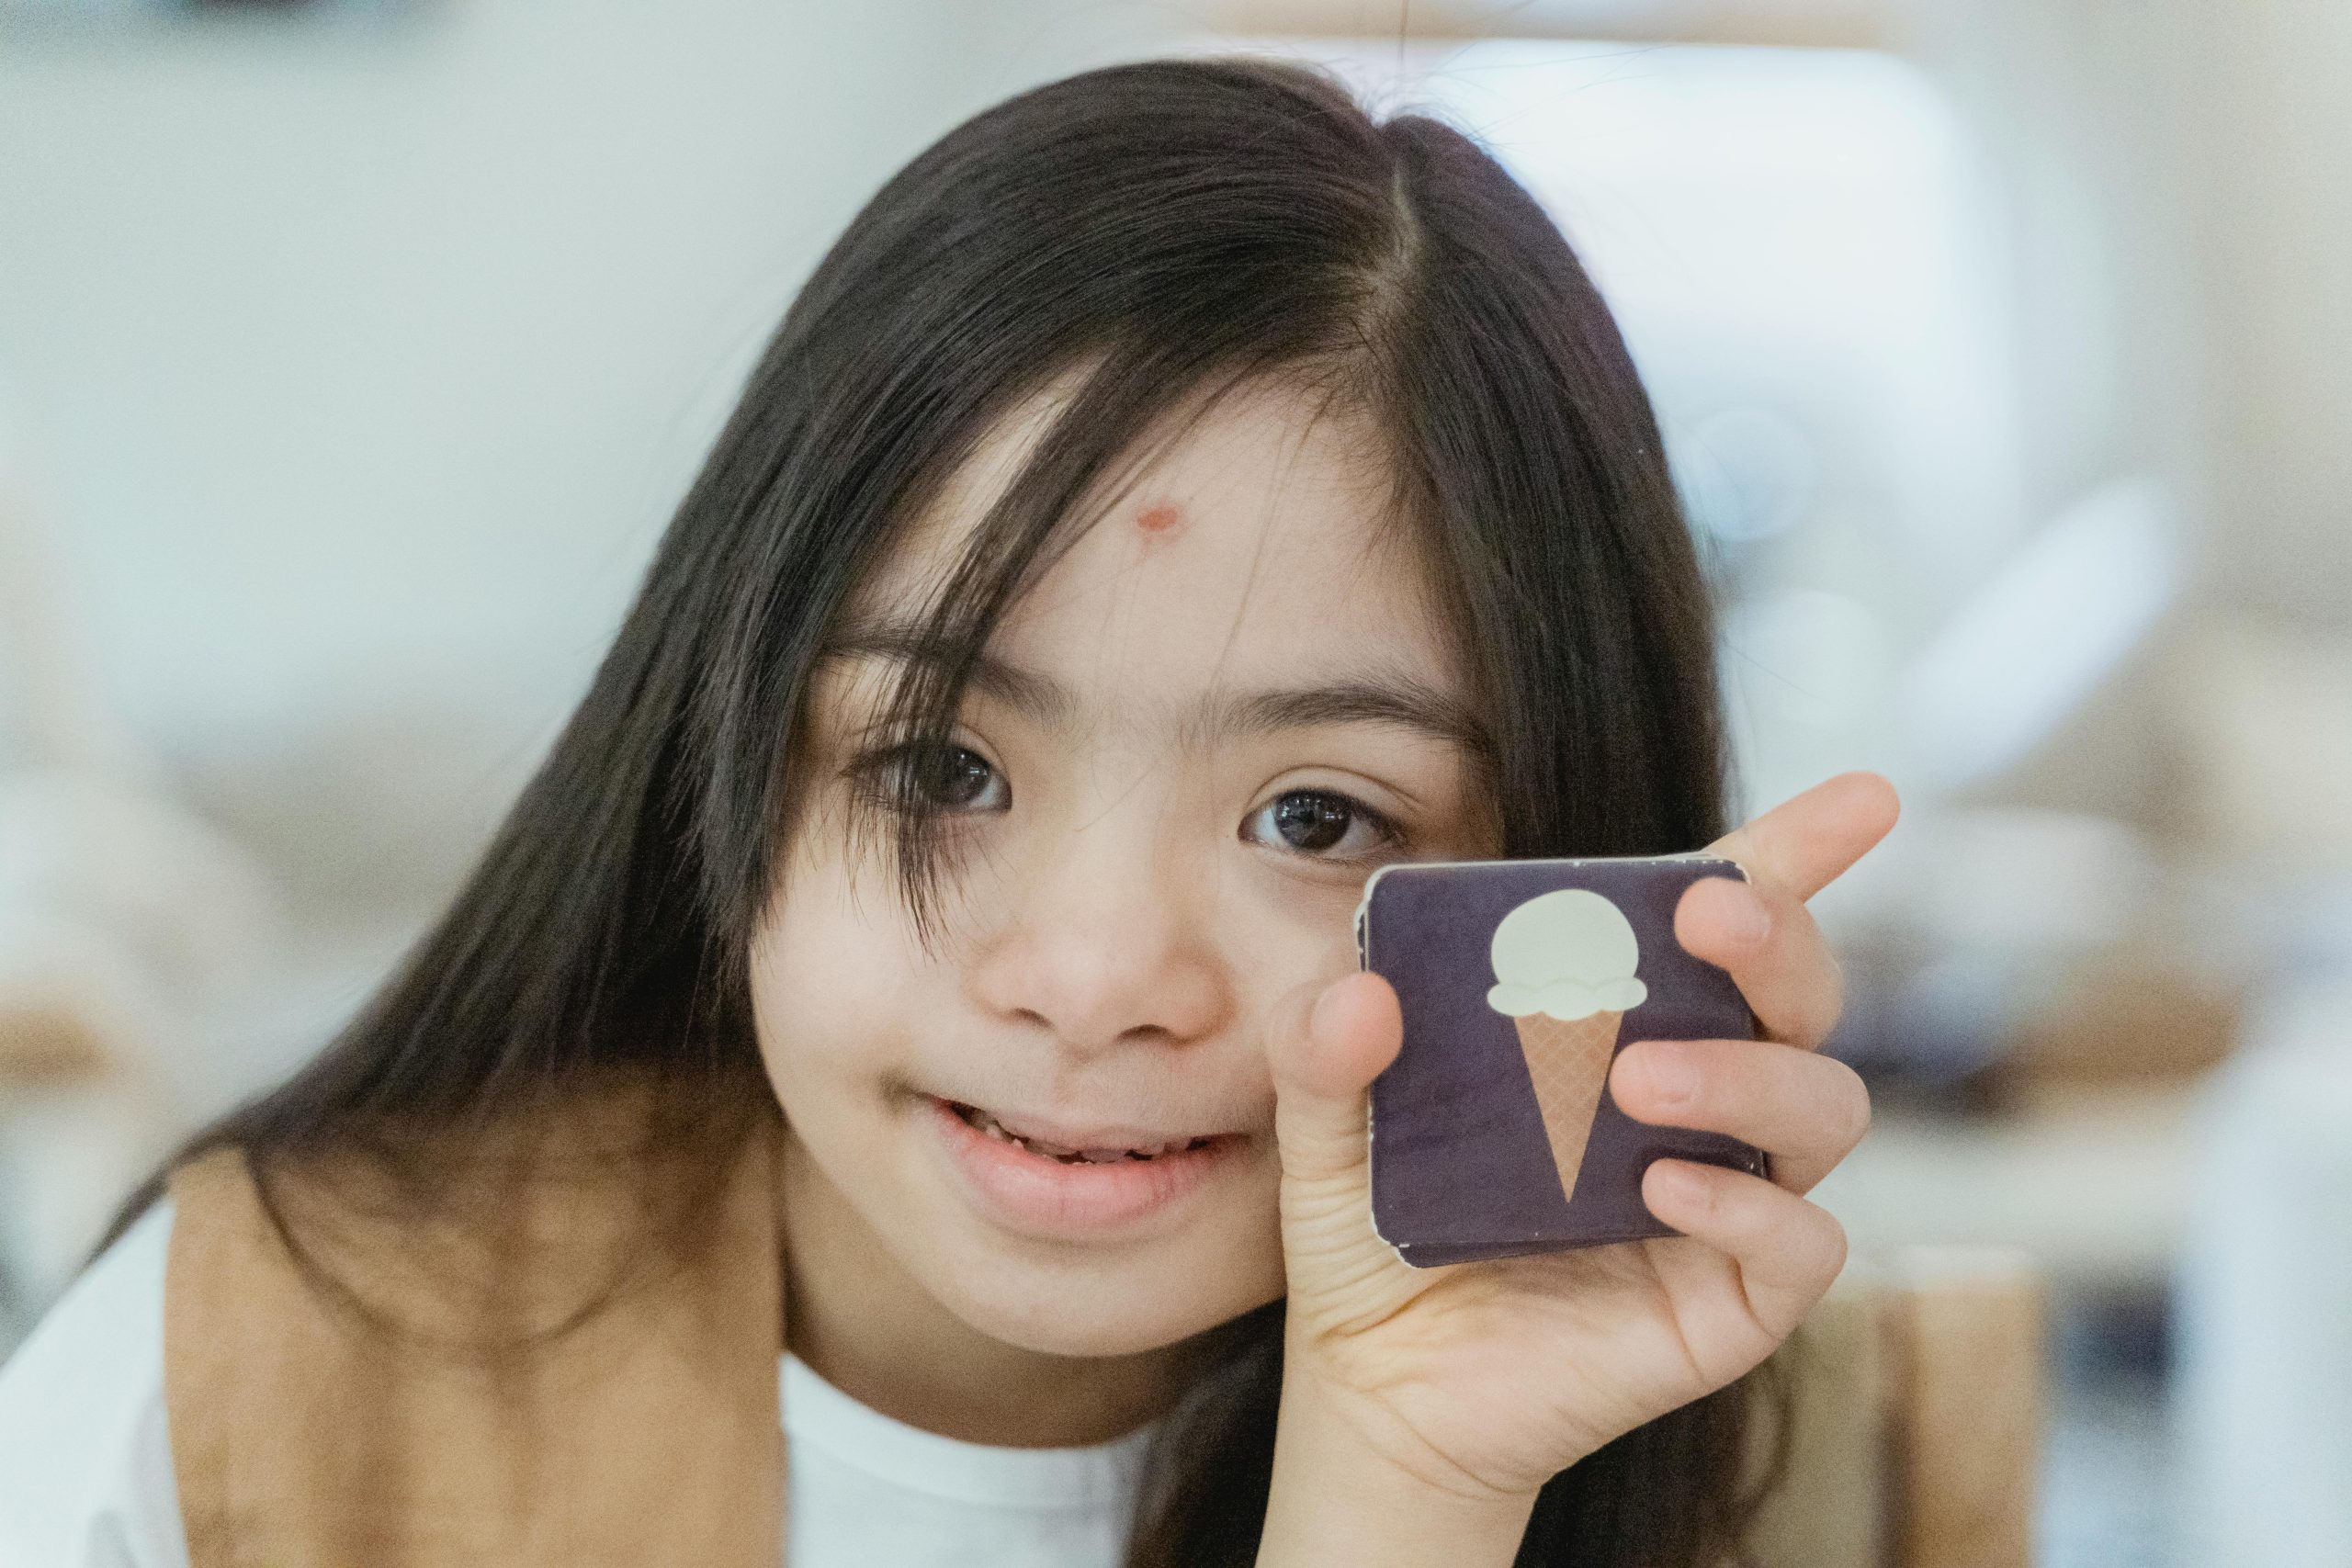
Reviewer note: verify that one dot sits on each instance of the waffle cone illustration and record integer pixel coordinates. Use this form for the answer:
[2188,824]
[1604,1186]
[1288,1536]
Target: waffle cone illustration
[1568,1061]
[1563,975]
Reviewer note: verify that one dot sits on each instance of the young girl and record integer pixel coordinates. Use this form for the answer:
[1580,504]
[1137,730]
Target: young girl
[926,957]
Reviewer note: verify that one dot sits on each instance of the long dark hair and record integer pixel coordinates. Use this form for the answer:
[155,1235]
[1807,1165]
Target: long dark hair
[1153,234]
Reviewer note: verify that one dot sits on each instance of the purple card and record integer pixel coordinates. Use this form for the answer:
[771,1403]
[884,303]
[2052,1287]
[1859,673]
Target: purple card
[1493,1134]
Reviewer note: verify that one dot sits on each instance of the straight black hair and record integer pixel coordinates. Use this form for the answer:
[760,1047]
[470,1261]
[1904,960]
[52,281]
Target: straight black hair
[1148,236]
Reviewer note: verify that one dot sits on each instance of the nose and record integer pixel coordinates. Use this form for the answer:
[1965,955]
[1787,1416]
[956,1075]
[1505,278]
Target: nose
[1106,941]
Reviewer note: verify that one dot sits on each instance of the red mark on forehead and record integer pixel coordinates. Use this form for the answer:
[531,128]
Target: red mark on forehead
[1159,519]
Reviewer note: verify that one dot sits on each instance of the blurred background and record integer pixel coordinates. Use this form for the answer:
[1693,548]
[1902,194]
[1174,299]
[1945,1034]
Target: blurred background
[352,356]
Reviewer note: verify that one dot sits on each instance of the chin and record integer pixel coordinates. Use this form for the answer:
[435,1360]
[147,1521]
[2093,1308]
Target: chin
[1113,1313]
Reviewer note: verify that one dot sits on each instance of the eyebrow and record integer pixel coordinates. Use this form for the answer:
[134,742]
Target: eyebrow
[1396,702]
[1386,698]
[1033,696]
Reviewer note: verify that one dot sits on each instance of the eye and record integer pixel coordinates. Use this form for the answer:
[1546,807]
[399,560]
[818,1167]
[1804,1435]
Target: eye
[944,778]
[1319,822]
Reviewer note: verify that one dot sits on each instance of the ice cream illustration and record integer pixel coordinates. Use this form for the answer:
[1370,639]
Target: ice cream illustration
[1563,971]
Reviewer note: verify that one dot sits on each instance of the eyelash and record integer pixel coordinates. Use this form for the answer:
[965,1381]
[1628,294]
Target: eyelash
[877,776]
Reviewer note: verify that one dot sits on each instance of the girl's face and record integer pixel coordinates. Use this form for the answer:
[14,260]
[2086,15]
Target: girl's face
[1190,742]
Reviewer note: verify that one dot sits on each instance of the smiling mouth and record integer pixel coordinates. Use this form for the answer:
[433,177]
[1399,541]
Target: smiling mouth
[983,1122]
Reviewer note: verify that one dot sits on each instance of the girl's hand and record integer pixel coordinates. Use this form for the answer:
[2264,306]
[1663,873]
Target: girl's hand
[1471,1385]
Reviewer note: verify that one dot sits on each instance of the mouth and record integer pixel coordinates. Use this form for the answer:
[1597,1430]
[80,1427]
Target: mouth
[1075,1183]
[1101,1148]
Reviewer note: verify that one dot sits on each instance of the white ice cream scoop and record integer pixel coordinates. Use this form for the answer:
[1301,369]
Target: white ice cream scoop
[1567,955]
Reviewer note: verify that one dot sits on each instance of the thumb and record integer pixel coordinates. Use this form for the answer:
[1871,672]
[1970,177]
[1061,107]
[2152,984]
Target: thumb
[1330,1041]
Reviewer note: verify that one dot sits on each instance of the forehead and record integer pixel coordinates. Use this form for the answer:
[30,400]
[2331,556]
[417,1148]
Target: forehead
[1253,544]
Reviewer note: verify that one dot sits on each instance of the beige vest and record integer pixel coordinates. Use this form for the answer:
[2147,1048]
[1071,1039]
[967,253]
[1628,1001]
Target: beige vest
[439,1394]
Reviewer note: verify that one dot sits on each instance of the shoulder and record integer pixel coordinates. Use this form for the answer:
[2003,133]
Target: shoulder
[86,1474]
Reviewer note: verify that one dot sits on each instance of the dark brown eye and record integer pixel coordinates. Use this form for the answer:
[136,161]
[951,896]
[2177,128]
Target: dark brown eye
[1316,822]
[1312,821]
[958,778]
[944,778]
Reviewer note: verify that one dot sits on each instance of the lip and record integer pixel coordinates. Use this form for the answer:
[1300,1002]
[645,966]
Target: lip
[1032,1193]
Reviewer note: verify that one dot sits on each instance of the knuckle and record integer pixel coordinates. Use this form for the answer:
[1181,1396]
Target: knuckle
[1833,989]
[1823,986]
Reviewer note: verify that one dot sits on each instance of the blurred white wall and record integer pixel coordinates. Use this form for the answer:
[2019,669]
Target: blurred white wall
[355,367]
[2178,173]
[2269,138]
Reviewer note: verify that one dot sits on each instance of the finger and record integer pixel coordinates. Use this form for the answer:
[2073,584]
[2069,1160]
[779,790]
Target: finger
[1788,1251]
[1773,949]
[1807,1111]
[1328,1043]
[1806,843]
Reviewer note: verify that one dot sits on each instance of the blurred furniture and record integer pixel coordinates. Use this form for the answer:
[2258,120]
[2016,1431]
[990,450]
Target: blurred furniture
[1915,1418]
[117,912]
[77,1120]
[2263,1335]
[2094,1189]
[123,915]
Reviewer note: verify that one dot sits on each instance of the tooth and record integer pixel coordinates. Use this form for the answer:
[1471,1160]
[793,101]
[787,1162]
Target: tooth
[1051,1151]
[1101,1157]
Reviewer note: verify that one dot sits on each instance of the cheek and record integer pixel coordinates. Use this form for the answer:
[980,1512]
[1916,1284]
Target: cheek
[830,987]
[1285,935]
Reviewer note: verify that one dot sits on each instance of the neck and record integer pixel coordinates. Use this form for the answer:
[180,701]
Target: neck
[866,1326]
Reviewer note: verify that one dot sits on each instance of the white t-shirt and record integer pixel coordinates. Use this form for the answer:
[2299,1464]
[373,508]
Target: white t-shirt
[85,1464]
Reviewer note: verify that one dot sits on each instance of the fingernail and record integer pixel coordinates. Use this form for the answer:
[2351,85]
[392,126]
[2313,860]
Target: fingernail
[1682,1181]
[1750,922]
[1674,1078]
[1316,1023]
